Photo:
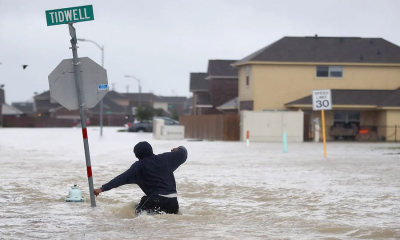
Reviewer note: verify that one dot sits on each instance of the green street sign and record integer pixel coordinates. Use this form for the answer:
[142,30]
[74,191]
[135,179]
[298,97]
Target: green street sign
[69,15]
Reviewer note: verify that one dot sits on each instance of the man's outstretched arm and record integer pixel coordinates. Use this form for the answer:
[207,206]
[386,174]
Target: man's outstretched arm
[128,177]
[177,157]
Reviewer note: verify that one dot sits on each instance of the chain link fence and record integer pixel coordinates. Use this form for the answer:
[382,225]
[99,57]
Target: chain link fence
[364,133]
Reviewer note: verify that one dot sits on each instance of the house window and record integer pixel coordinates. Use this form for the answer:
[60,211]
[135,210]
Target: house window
[340,116]
[353,116]
[247,75]
[346,116]
[330,71]
[322,71]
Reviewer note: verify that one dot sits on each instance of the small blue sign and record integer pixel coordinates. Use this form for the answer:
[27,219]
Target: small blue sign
[103,87]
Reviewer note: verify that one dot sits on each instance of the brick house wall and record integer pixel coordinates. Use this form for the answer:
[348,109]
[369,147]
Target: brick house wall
[223,90]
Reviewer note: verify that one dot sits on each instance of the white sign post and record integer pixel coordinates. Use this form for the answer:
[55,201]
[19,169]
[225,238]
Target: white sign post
[322,100]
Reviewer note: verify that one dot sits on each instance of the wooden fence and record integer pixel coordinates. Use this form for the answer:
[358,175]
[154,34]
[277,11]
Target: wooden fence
[212,127]
[26,121]
[109,120]
[43,122]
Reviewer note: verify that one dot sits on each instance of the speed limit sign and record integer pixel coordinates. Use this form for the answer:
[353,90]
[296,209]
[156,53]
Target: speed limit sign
[322,100]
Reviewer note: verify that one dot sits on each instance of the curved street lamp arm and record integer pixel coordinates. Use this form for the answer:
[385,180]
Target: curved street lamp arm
[87,40]
[137,79]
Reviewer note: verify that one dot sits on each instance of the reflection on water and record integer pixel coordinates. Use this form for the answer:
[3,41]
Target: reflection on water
[226,190]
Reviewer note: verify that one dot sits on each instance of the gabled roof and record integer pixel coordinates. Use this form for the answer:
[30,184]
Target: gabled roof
[372,98]
[145,97]
[9,110]
[392,100]
[222,68]
[115,95]
[43,96]
[45,104]
[198,82]
[25,107]
[327,49]
[171,100]
[110,106]
[43,101]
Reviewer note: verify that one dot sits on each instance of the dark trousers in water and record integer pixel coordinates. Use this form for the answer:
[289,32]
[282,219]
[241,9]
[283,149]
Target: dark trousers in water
[157,205]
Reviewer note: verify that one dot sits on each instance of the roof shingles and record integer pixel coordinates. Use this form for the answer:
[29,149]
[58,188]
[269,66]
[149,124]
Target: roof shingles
[198,82]
[25,107]
[144,97]
[222,68]
[327,49]
[171,100]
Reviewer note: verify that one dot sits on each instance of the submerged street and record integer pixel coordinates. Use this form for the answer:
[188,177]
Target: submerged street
[226,190]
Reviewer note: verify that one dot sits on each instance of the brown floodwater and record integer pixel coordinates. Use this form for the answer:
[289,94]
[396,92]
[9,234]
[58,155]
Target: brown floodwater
[226,190]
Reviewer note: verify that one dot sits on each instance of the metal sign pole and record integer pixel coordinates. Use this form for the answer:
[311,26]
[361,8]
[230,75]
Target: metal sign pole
[322,100]
[101,101]
[323,131]
[77,71]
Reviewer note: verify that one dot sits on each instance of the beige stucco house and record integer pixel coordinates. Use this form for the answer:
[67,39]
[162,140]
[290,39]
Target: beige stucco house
[363,73]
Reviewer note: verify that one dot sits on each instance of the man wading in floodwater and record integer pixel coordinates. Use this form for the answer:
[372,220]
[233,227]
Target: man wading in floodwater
[155,176]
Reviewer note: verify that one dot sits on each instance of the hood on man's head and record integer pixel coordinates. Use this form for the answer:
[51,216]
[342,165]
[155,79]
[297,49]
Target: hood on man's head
[143,150]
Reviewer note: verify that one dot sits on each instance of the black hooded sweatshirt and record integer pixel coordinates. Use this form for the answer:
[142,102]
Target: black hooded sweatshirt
[154,174]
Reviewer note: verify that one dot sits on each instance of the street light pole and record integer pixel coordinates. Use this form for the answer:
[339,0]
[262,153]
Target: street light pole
[101,101]
[140,87]
[102,64]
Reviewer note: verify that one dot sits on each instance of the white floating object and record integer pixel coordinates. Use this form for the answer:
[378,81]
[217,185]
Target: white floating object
[75,195]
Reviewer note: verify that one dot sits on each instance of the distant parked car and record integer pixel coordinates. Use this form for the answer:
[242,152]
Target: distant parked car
[147,126]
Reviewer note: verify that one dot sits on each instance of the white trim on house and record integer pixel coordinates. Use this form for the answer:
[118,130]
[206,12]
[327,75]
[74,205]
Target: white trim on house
[230,105]
[222,77]
[227,108]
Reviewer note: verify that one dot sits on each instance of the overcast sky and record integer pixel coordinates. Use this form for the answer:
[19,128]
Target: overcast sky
[162,41]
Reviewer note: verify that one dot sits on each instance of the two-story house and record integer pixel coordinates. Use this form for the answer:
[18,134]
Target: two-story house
[171,104]
[114,113]
[201,97]
[25,107]
[44,105]
[216,91]
[363,73]
[223,85]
